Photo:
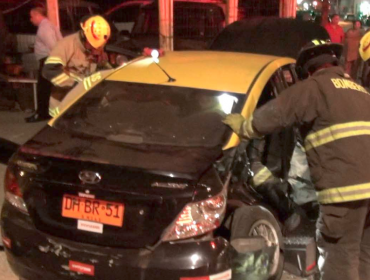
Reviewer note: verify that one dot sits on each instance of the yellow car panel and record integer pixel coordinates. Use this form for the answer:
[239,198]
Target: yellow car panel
[255,93]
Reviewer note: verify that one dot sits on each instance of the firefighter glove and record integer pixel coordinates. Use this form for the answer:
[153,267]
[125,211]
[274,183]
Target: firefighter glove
[235,121]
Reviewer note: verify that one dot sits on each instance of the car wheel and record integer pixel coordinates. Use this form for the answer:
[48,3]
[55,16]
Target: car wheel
[261,223]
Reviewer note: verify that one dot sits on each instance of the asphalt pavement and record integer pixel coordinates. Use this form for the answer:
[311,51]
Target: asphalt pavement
[14,128]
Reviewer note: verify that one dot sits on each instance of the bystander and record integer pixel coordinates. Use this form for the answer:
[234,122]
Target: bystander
[352,42]
[335,31]
[46,38]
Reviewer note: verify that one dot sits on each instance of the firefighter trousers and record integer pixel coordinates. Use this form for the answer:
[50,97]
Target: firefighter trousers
[44,88]
[343,240]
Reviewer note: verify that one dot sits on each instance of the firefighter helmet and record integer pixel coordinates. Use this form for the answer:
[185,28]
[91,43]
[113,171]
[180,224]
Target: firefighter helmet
[96,30]
[316,53]
[364,49]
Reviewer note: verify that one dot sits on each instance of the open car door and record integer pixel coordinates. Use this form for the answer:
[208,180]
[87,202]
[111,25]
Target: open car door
[271,36]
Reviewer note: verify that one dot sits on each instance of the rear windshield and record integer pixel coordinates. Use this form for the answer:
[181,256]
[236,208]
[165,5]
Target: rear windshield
[152,114]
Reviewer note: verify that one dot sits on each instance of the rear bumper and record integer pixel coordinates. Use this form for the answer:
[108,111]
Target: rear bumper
[34,255]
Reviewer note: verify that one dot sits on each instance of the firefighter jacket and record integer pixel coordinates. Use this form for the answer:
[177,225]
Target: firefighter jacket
[333,113]
[70,62]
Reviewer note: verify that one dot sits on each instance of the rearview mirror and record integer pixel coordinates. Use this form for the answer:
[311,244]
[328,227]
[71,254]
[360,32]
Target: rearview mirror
[7,149]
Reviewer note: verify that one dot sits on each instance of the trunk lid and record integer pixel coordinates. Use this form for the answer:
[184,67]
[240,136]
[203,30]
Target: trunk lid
[152,185]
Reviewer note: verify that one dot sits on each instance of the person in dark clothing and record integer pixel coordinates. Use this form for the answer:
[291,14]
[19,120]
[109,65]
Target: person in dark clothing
[266,182]
[46,38]
[333,114]
[44,88]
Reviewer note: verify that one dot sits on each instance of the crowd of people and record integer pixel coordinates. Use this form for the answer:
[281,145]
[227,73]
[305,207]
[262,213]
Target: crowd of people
[353,64]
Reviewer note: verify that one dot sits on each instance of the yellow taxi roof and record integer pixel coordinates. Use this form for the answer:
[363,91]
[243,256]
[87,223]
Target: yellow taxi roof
[220,71]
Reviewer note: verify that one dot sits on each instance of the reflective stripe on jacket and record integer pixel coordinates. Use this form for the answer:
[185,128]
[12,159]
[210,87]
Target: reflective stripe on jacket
[261,175]
[264,169]
[334,115]
[56,107]
[68,63]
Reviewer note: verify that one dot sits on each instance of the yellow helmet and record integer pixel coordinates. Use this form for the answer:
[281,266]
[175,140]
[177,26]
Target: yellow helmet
[96,30]
[365,47]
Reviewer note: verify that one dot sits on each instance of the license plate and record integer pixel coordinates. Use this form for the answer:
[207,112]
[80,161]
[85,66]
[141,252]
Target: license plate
[89,209]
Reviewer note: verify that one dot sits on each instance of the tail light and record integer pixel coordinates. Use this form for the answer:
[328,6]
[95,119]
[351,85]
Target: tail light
[13,192]
[197,218]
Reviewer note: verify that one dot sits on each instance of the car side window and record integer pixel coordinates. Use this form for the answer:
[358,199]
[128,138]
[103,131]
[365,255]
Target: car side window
[280,80]
[66,24]
[288,75]
[18,21]
[284,78]
[70,18]
[269,92]
[196,22]
[277,145]
[125,14]
[147,23]
[200,23]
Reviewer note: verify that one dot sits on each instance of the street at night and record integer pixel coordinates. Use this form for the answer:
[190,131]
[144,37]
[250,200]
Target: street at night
[184,139]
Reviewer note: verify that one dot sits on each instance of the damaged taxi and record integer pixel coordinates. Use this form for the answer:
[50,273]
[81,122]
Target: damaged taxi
[138,178]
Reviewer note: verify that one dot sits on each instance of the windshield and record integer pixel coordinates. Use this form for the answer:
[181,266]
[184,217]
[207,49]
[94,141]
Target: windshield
[152,114]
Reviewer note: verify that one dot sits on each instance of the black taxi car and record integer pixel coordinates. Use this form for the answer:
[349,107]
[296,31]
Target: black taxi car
[137,177]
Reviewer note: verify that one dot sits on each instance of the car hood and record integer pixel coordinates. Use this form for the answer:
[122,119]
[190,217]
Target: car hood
[280,37]
[180,162]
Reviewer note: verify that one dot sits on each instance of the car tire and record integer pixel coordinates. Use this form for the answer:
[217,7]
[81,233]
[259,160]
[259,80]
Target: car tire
[256,221]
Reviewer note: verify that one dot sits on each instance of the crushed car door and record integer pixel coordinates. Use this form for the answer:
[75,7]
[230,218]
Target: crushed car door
[279,146]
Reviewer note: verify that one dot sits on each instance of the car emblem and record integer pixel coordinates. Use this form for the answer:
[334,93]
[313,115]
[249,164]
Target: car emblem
[89,177]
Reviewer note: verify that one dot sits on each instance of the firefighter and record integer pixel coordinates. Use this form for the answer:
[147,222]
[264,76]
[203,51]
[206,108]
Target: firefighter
[334,117]
[77,57]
